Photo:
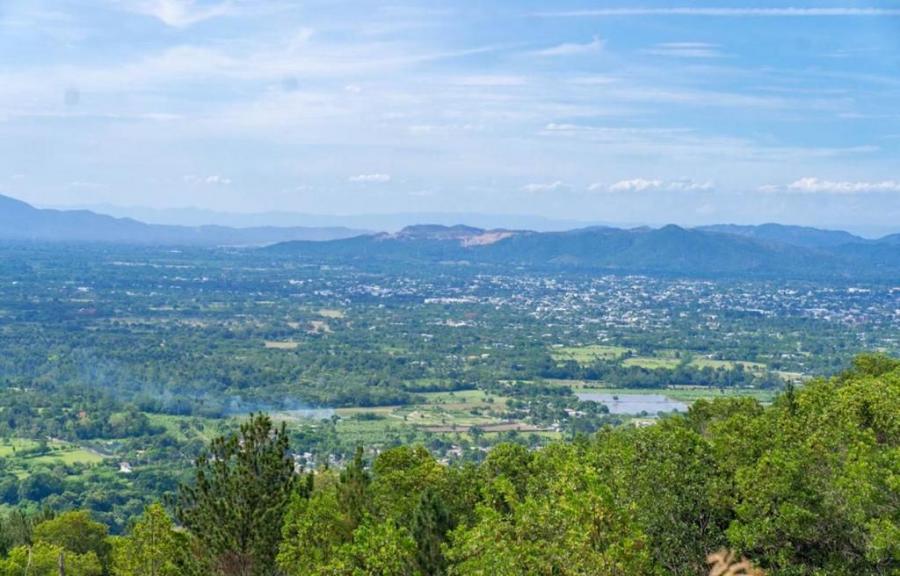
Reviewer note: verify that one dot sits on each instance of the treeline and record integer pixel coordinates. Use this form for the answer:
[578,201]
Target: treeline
[806,486]
[70,413]
[614,374]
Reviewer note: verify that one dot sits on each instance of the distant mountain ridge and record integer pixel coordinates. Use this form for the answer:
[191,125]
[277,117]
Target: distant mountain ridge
[766,250]
[797,252]
[21,221]
[391,221]
[794,235]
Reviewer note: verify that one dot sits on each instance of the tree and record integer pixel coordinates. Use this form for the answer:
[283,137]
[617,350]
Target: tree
[400,475]
[353,488]
[150,549]
[667,474]
[74,531]
[567,525]
[43,559]
[314,530]
[822,496]
[236,504]
[377,549]
[431,522]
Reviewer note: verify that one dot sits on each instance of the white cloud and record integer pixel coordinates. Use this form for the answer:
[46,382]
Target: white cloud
[535,187]
[816,186]
[686,50]
[379,178]
[212,180]
[645,184]
[572,48]
[726,12]
[178,13]
[633,185]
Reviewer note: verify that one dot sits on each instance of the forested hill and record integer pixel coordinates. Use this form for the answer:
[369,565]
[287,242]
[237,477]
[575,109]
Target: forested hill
[794,235]
[806,486]
[792,253]
[21,221]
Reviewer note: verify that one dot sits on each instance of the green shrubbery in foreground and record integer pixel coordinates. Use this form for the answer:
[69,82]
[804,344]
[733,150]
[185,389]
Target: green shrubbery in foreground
[808,485]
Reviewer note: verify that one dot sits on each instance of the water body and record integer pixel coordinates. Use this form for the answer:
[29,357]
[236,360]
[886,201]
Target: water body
[634,403]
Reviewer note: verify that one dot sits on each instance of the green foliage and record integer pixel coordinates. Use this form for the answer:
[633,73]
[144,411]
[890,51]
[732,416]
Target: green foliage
[151,547]
[805,487]
[431,523]
[44,558]
[75,532]
[236,503]
[377,549]
[566,524]
[823,493]
[315,528]
[680,517]
[401,475]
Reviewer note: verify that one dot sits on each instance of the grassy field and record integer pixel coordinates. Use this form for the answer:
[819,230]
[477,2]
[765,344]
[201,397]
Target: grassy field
[453,410]
[15,452]
[281,345]
[69,456]
[699,362]
[793,377]
[588,354]
[188,427]
[331,313]
[667,359]
[10,446]
[440,412]
[652,362]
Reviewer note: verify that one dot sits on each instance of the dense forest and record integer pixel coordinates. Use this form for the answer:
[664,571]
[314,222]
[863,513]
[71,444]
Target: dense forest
[807,485]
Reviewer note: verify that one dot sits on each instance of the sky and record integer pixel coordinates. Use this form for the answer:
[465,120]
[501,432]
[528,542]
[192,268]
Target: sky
[692,112]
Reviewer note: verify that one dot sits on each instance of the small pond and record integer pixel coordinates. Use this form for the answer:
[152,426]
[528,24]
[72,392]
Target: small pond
[634,403]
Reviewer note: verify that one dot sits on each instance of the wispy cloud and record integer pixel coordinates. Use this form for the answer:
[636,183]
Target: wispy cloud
[489,80]
[650,184]
[811,185]
[178,13]
[212,180]
[686,50]
[370,178]
[724,12]
[536,187]
[572,48]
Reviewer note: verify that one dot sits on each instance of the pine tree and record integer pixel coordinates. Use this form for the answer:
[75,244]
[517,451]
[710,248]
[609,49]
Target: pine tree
[430,524]
[237,501]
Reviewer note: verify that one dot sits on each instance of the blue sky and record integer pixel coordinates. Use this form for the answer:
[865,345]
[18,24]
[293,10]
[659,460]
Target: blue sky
[622,111]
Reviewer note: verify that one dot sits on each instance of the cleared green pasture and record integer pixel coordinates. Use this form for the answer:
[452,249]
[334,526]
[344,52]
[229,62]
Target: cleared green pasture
[588,354]
[652,362]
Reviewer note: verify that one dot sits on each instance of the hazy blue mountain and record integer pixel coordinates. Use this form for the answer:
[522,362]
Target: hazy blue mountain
[768,250]
[667,250]
[21,221]
[389,222]
[794,235]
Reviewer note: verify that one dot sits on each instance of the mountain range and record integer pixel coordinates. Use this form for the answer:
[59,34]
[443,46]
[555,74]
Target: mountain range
[368,221]
[764,250]
[21,221]
[772,250]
